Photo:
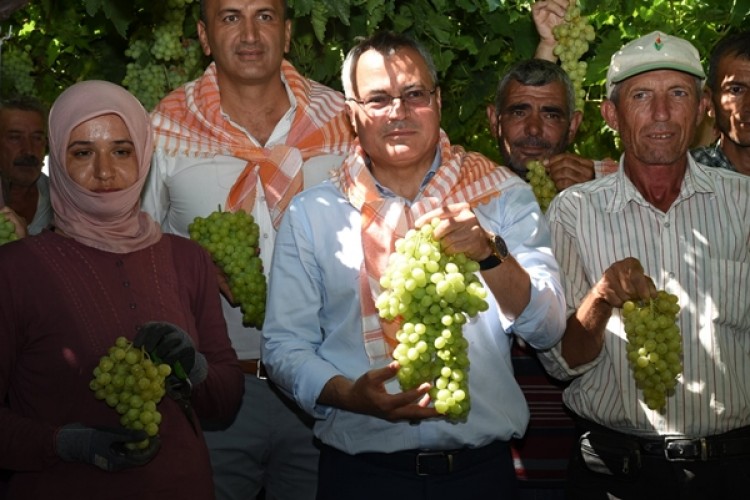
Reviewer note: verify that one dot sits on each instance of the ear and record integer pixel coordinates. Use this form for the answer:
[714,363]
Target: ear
[287,35]
[492,119]
[352,115]
[705,105]
[609,113]
[575,122]
[203,39]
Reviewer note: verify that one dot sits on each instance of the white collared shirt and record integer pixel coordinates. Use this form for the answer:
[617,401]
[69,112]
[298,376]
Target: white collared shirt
[699,250]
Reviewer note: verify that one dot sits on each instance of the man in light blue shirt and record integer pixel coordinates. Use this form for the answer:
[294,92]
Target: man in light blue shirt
[321,342]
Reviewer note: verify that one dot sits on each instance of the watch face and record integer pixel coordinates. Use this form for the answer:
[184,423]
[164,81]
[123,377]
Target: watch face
[501,249]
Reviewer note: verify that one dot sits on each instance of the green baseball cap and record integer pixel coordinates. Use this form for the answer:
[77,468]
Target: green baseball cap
[652,52]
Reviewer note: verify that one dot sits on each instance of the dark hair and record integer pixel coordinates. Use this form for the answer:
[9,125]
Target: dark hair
[535,73]
[284,9]
[25,103]
[386,43]
[737,44]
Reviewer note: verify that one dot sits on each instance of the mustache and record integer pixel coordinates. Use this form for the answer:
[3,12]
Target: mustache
[27,161]
[399,125]
[534,142]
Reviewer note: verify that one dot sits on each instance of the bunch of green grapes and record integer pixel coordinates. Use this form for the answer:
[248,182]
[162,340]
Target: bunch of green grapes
[162,57]
[232,240]
[573,37]
[654,346]
[131,383]
[7,230]
[433,294]
[167,44]
[541,183]
[16,71]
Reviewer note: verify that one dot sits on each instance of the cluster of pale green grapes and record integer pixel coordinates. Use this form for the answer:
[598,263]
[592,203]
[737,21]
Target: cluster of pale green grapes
[7,230]
[433,295]
[232,240]
[148,83]
[162,58]
[654,346]
[16,71]
[573,37]
[541,183]
[167,44]
[130,382]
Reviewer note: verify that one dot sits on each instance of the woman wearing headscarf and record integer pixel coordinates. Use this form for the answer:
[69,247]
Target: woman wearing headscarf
[106,271]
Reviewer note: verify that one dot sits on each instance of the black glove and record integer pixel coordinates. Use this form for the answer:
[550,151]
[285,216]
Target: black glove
[104,447]
[171,345]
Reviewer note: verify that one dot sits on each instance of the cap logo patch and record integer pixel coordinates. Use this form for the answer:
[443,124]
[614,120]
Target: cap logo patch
[658,43]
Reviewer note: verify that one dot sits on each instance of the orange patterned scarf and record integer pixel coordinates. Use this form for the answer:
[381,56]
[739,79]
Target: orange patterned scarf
[461,177]
[189,121]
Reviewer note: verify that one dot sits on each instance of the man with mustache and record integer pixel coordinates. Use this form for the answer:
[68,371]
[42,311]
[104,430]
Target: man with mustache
[23,140]
[250,133]
[662,222]
[534,118]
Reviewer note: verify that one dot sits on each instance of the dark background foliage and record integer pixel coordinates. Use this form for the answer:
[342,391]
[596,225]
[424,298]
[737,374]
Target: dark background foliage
[472,41]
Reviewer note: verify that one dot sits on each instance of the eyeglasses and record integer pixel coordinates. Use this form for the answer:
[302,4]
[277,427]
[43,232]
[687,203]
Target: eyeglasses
[380,104]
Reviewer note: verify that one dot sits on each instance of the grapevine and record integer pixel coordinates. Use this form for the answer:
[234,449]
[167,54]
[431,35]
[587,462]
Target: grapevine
[163,58]
[130,382]
[433,294]
[541,183]
[7,229]
[16,72]
[654,346]
[232,240]
[573,37]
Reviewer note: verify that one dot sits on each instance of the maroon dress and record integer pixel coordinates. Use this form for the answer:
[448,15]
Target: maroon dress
[62,305]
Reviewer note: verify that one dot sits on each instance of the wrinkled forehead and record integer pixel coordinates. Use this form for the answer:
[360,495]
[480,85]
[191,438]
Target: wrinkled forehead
[552,94]
[21,119]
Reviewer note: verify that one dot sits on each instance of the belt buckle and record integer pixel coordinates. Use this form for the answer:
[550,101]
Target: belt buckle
[673,452]
[426,455]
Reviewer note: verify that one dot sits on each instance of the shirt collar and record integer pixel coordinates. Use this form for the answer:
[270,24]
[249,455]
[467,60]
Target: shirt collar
[387,193]
[696,180]
[283,126]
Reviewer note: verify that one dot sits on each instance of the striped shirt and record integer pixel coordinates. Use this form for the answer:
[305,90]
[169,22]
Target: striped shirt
[699,250]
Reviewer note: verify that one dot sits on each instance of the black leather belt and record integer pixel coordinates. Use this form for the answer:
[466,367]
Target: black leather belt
[677,449]
[732,444]
[435,462]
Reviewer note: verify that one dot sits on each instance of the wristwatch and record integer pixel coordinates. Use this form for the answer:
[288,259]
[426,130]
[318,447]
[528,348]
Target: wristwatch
[498,255]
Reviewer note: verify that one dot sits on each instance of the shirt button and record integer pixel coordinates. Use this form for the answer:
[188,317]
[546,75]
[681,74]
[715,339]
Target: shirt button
[126,284]
[671,274]
[119,263]
[666,224]
[132,305]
